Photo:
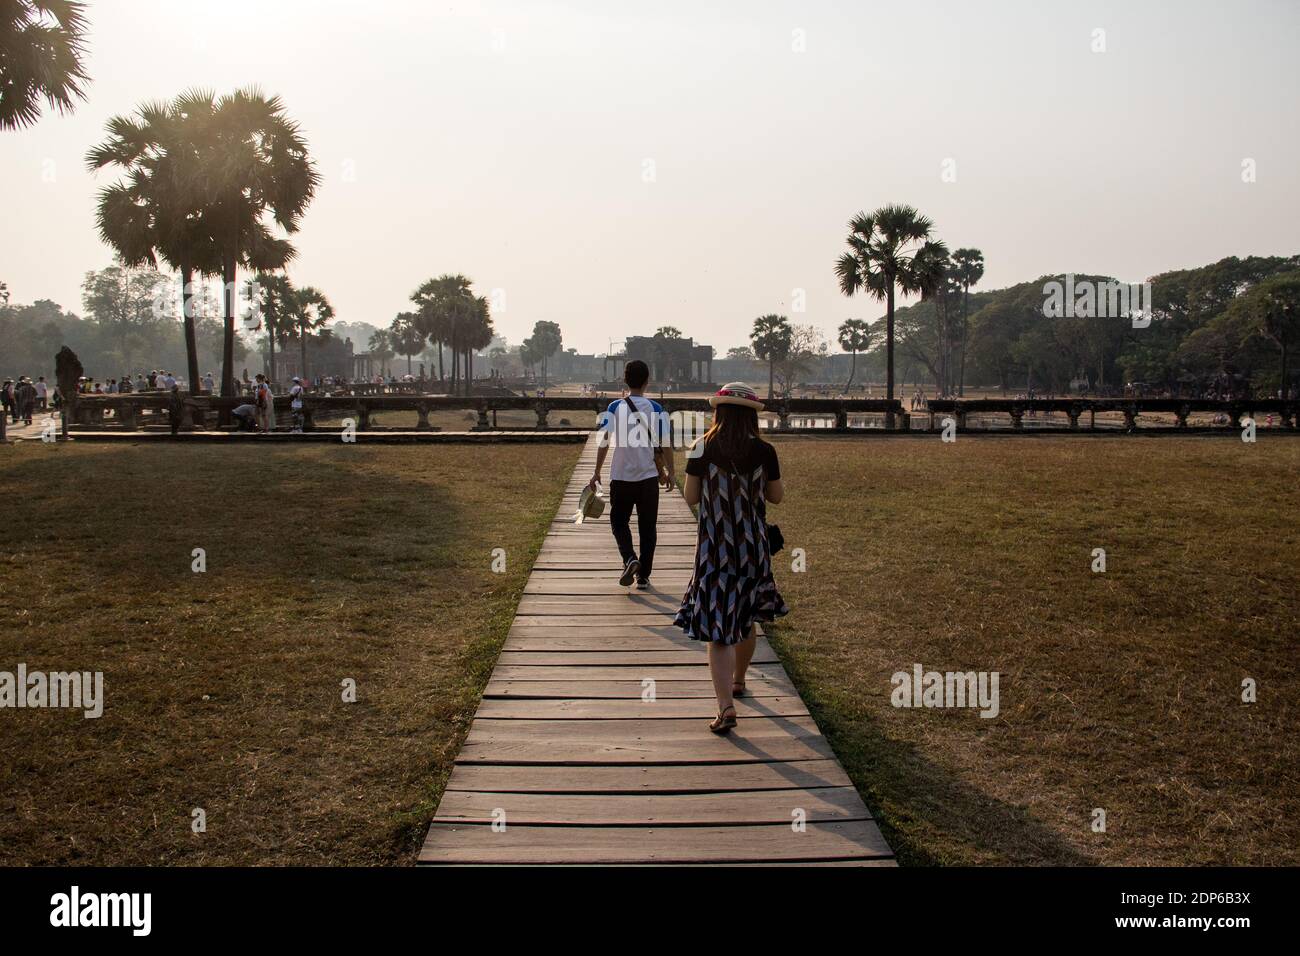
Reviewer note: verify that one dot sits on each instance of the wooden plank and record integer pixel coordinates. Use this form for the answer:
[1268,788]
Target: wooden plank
[775,843]
[614,630]
[624,689]
[641,741]
[591,640]
[683,655]
[667,582]
[722,778]
[632,602]
[661,708]
[583,620]
[678,809]
[660,673]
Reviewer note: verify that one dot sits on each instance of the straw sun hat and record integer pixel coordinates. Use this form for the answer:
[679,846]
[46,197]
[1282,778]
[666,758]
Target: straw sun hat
[736,393]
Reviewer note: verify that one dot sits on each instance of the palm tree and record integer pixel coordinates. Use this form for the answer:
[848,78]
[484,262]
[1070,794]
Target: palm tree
[444,304]
[42,43]
[968,269]
[547,340]
[256,165]
[404,336]
[478,335]
[381,347]
[855,336]
[771,338]
[891,249]
[310,311]
[275,296]
[158,212]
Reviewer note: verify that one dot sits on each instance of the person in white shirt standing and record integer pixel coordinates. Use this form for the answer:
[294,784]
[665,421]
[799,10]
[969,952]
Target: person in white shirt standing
[638,431]
[42,393]
[295,402]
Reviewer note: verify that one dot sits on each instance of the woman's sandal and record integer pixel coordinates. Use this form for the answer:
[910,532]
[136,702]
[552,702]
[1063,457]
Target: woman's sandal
[738,690]
[722,724]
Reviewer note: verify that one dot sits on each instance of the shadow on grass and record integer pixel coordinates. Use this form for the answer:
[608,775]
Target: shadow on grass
[912,797]
[223,688]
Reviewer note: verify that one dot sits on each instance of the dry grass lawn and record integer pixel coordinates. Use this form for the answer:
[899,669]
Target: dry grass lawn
[223,689]
[1120,691]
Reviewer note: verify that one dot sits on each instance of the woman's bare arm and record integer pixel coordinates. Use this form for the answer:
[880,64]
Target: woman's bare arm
[774,491]
[691,491]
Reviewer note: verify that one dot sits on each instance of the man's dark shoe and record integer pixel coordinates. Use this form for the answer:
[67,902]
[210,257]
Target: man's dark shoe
[629,572]
[643,584]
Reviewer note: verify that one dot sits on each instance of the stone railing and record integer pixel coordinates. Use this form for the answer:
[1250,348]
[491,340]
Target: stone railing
[799,415]
[135,411]
[1130,409]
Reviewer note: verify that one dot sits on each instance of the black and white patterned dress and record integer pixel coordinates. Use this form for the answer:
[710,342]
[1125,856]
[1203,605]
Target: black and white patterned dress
[732,586]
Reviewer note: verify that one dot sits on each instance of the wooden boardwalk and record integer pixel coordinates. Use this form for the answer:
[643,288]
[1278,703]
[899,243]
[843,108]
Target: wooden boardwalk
[583,765]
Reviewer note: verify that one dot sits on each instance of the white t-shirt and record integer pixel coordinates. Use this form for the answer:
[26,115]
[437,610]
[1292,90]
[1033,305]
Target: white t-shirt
[296,395]
[633,458]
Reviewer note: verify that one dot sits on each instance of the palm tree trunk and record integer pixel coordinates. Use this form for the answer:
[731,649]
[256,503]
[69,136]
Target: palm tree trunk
[889,351]
[853,370]
[302,337]
[441,375]
[270,348]
[228,337]
[961,375]
[187,316]
[771,375]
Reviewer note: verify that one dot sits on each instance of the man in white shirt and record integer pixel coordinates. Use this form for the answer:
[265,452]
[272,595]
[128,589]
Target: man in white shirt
[638,430]
[42,393]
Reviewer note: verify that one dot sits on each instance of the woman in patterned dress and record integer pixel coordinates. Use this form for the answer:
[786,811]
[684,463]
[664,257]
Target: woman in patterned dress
[732,474]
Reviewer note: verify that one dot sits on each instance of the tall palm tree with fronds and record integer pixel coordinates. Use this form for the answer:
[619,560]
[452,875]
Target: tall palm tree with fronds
[478,336]
[277,308]
[42,43]
[855,336]
[771,338]
[891,249]
[404,336]
[447,307]
[381,347]
[258,174]
[156,212]
[968,269]
[310,312]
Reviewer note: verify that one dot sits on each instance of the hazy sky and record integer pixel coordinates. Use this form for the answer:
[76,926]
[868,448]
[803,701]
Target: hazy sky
[513,141]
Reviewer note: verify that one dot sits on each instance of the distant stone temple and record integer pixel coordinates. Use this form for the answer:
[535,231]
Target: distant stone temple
[670,359]
[325,356]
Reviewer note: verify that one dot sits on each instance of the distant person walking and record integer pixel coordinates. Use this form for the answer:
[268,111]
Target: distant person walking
[731,473]
[636,428]
[42,393]
[7,399]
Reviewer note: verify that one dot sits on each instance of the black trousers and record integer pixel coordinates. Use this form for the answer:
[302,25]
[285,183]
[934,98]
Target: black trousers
[644,497]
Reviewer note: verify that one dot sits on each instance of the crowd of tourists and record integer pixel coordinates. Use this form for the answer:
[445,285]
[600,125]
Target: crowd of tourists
[23,398]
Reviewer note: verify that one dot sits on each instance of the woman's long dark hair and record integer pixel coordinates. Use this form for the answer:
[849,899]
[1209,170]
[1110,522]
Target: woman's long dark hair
[734,427]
